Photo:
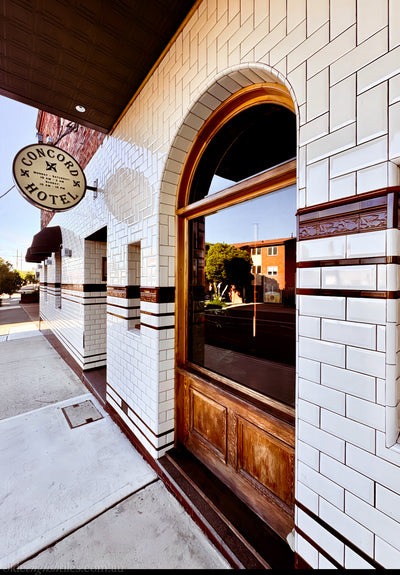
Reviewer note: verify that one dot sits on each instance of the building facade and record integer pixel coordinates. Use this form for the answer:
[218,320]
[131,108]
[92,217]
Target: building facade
[294,105]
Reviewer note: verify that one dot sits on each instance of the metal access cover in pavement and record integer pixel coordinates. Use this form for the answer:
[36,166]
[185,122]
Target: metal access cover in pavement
[81,413]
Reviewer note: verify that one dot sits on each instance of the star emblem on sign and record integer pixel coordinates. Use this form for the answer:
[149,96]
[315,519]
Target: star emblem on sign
[51,166]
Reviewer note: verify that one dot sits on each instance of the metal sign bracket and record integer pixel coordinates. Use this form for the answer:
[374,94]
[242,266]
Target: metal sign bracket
[93,188]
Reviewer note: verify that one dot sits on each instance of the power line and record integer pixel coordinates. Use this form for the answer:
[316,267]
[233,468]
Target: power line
[5,193]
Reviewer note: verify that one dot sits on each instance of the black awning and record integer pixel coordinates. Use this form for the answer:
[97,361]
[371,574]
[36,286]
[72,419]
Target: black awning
[44,243]
[32,258]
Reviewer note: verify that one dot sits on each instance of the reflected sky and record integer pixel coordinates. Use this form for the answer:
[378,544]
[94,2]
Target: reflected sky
[268,217]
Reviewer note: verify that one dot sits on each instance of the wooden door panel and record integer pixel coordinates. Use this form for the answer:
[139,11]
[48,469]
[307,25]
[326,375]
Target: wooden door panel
[251,450]
[208,421]
[265,459]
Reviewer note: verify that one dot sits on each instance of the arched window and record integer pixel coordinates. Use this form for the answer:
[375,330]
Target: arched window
[248,144]
[238,205]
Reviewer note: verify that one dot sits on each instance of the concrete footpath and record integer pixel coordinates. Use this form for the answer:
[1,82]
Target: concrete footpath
[74,493]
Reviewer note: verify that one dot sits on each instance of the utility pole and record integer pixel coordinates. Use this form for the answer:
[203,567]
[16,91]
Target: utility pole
[255,280]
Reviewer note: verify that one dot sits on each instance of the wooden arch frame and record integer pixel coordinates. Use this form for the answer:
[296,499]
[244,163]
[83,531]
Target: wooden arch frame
[238,102]
[274,179]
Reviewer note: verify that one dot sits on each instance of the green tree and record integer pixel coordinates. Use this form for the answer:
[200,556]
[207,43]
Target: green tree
[28,277]
[227,265]
[10,279]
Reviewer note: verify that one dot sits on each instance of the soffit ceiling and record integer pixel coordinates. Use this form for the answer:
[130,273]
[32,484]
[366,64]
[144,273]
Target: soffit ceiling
[57,54]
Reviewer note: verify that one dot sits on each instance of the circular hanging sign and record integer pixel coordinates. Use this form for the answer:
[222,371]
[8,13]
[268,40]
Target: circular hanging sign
[48,177]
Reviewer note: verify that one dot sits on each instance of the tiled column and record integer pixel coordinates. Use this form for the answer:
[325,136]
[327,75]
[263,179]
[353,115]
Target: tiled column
[140,371]
[348,293]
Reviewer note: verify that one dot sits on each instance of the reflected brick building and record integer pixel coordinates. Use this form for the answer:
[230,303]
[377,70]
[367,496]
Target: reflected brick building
[274,265]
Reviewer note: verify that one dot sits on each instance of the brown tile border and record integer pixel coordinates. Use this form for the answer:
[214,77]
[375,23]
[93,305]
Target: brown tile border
[73,287]
[124,292]
[85,302]
[349,293]
[157,328]
[63,350]
[157,294]
[336,534]
[349,203]
[85,287]
[114,305]
[376,210]
[76,287]
[149,294]
[349,262]
[155,435]
[94,287]
[122,316]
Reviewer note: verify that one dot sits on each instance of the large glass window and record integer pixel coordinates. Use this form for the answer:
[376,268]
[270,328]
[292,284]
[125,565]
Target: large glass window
[239,208]
[251,142]
[242,316]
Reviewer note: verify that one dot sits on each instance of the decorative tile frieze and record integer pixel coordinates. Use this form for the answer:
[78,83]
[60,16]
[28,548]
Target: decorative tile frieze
[351,224]
[373,212]
[367,212]
[125,292]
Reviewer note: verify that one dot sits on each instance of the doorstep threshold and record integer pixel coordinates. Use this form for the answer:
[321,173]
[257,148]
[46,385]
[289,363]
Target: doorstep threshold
[241,536]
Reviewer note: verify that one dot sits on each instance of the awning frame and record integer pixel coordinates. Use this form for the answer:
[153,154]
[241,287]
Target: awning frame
[44,243]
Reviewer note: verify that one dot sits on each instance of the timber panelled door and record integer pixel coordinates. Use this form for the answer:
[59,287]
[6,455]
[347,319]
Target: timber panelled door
[236,316]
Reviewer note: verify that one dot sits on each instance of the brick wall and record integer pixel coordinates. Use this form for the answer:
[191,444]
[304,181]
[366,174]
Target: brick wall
[82,143]
[277,260]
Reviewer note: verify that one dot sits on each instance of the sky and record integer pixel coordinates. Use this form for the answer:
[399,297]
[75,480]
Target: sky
[268,217]
[19,220]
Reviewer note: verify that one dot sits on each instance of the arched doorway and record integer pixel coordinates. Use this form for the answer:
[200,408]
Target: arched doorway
[236,237]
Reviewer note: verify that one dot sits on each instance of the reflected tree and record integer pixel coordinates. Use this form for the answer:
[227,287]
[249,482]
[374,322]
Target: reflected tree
[227,265]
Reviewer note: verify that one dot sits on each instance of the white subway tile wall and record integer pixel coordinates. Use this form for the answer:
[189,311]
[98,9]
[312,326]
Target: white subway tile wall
[340,61]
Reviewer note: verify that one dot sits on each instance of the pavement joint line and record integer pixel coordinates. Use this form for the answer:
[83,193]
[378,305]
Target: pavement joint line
[18,338]
[64,403]
[73,530]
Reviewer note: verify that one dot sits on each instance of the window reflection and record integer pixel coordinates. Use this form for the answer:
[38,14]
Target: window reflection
[242,293]
[256,139]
